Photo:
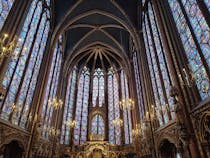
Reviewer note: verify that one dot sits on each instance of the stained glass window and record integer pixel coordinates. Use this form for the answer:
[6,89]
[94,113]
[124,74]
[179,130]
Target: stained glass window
[21,77]
[194,33]
[126,113]
[80,130]
[51,88]
[97,125]
[5,6]
[158,65]
[138,85]
[68,108]
[113,107]
[98,88]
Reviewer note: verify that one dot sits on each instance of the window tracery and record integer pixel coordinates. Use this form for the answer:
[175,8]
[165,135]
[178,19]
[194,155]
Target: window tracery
[22,72]
[113,107]
[97,125]
[158,66]
[194,33]
[80,130]
[98,87]
[126,112]
[51,89]
[68,107]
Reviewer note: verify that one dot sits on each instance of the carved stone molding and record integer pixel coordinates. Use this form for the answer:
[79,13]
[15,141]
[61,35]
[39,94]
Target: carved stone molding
[42,147]
[8,133]
[166,133]
[201,120]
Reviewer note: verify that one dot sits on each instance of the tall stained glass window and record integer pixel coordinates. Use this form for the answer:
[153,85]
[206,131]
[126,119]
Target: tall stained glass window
[113,107]
[51,88]
[97,125]
[80,129]
[21,77]
[138,85]
[5,6]
[126,112]
[158,66]
[68,108]
[194,33]
[98,87]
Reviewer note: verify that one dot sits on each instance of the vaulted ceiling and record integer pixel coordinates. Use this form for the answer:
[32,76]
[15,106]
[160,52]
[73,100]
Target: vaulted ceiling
[90,25]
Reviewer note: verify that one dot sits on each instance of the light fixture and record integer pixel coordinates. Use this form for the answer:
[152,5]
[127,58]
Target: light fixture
[15,108]
[53,131]
[6,48]
[55,103]
[117,122]
[127,104]
[151,115]
[136,131]
[70,123]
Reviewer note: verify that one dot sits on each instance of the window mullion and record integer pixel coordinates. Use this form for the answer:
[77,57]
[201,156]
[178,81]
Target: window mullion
[155,80]
[158,65]
[161,45]
[28,59]
[115,135]
[195,39]
[83,93]
[53,86]
[18,59]
[67,104]
[51,83]
[30,80]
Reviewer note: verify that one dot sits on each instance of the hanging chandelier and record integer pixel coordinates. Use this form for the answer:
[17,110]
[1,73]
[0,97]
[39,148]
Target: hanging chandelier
[53,131]
[70,123]
[55,103]
[6,48]
[127,104]
[117,122]
[138,130]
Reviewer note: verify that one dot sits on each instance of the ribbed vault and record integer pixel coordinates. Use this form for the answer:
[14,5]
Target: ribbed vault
[89,25]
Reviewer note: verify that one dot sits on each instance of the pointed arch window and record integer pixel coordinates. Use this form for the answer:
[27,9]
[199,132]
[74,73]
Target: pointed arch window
[126,112]
[80,130]
[98,87]
[113,107]
[51,88]
[5,7]
[68,108]
[97,125]
[158,66]
[21,76]
[194,33]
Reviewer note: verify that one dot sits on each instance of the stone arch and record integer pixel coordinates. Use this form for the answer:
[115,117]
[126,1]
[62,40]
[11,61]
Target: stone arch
[167,148]
[13,147]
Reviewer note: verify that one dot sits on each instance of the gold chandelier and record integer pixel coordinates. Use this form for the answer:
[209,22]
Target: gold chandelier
[70,123]
[6,48]
[127,104]
[55,103]
[151,115]
[137,131]
[52,131]
[117,122]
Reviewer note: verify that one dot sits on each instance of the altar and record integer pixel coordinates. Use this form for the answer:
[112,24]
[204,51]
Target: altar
[95,149]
